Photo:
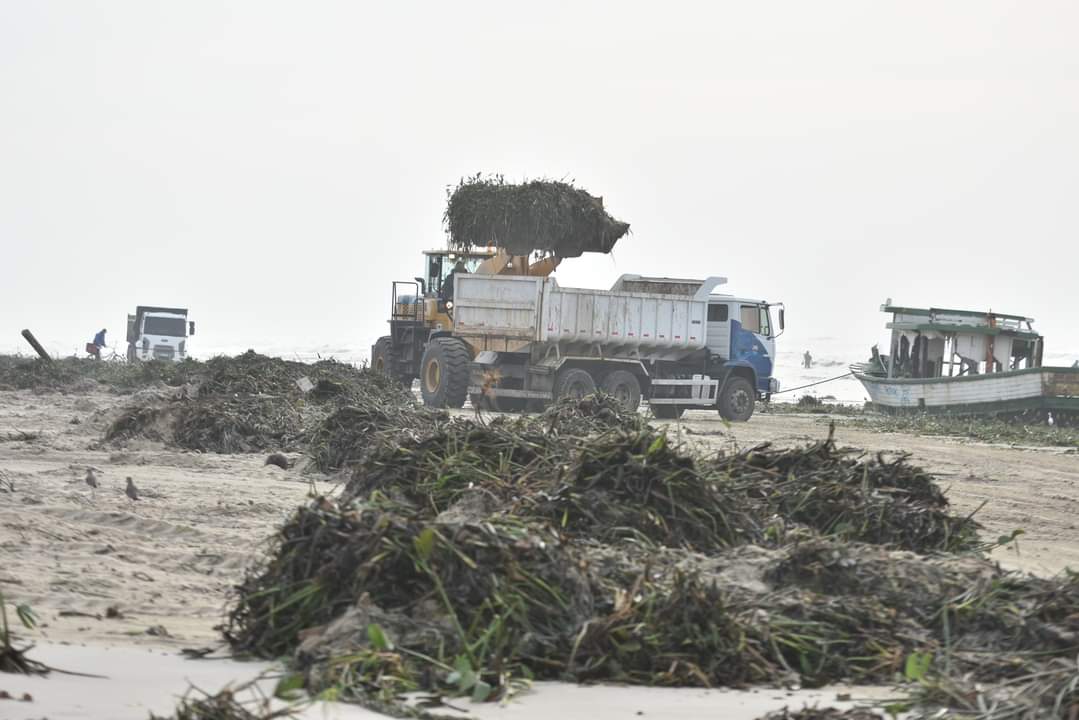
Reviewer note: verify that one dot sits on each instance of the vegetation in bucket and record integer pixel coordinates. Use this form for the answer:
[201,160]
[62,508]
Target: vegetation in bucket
[544,216]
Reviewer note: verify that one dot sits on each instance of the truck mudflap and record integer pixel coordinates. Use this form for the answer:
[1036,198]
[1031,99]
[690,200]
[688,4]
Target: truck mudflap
[703,391]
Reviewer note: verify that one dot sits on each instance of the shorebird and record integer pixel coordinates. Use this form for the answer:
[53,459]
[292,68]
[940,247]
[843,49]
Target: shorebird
[131,491]
[91,480]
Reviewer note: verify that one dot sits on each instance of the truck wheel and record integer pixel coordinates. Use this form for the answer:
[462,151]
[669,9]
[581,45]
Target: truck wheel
[444,373]
[384,360]
[736,403]
[574,383]
[667,412]
[624,387]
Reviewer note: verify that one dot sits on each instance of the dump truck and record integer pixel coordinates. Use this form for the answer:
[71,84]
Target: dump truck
[158,333]
[510,338]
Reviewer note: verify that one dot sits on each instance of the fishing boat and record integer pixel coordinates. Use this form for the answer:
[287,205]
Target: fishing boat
[968,362]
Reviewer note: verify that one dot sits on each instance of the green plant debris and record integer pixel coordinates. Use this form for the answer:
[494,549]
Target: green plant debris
[544,216]
[1012,431]
[13,659]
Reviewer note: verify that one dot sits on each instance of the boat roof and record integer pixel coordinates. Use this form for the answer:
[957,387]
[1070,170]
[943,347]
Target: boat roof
[970,322]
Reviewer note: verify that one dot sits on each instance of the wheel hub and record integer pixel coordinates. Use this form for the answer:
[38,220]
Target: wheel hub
[433,376]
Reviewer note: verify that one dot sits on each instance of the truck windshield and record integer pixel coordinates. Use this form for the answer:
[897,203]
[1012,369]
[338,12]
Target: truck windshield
[168,326]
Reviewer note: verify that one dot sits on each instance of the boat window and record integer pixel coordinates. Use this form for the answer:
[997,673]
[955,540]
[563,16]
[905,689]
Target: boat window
[751,318]
[717,313]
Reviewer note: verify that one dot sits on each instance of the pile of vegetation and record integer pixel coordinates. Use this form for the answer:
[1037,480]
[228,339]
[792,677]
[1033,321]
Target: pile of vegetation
[583,545]
[21,373]
[544,216]
[253,403]
[1018,430]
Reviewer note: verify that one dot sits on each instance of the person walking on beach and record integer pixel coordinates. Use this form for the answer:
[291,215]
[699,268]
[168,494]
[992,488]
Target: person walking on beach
[807,360]
[94,348]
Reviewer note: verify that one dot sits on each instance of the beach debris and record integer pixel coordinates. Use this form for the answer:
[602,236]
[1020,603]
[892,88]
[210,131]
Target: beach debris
[29,337]
[815,713]
[13,659]
[25,697]
[251,403]
[131,491]
[242,702]
[278,460]
[546,216]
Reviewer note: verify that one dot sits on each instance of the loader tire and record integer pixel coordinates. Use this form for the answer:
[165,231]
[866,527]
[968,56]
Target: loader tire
[666,412]
[737,399]
[444,373]
[574,383]
[625,388]
[384,360]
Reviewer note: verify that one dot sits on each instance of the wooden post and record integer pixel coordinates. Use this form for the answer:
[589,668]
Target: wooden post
[36,345]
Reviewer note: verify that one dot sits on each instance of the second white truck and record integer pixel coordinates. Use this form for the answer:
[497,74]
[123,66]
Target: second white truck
[158,333]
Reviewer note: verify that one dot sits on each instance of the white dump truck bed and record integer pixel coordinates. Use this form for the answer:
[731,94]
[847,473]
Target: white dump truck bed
[654,315]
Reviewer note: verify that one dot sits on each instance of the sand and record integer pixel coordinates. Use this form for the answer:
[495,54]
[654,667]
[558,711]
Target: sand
[165,564]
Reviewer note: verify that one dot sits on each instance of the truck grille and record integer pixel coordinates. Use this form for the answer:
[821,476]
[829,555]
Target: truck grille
[164,352]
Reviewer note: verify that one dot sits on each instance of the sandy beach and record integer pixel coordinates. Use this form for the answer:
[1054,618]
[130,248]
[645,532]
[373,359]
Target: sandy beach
[139,581]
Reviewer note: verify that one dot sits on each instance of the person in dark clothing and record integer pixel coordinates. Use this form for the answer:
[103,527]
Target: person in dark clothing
[94,348]
[447,284]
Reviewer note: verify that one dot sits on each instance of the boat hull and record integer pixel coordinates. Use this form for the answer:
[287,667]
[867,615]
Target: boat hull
[1046,388]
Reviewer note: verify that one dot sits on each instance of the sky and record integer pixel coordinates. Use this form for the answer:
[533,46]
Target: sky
[274,166]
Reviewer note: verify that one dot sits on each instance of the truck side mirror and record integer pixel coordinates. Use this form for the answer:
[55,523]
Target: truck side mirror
[782,323]
[191,327]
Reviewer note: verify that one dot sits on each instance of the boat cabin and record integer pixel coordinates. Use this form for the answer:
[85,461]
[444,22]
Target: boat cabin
[936,342]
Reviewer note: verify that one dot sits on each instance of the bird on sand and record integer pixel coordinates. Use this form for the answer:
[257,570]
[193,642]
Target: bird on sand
[91,479]
[131,491]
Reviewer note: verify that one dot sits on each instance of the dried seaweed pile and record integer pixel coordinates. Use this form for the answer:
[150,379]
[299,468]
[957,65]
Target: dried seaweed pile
[637,485]
[470,556]
[537,216]
[384,602]
[373,420]
[252,403]
[77,373]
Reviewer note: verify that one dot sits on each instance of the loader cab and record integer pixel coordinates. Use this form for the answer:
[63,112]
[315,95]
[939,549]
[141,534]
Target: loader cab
[439,264]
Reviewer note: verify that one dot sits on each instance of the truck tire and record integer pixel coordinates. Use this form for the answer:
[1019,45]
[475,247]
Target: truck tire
[625,388]
[737,401]
[667,412]
[384,360]
[575,383]
[444,373]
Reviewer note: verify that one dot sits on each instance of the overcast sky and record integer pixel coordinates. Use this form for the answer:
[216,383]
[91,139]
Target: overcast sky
[273,166]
